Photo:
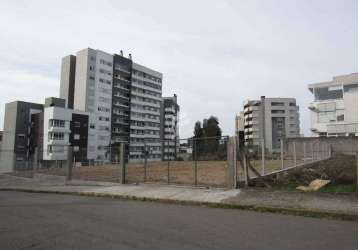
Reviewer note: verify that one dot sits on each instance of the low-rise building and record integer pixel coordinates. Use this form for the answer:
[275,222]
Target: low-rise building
[334,109]
[41,134]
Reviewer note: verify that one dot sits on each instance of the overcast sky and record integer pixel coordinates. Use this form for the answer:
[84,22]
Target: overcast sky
[213,54]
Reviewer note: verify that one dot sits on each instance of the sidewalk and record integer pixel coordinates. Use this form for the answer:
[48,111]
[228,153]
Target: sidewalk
[306,204]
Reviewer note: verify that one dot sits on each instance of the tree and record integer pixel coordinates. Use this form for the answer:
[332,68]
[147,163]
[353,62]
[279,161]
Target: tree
[206,138]
[212,133]
[198,135]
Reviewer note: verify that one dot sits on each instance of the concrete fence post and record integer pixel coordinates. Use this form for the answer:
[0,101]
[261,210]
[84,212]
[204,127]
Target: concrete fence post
[231,163]
[168,165]
[312,151]
[294,154]
[246,174]
[36,159]
[145,161]
[304,152]
[356,170]
[195,163]
[69,163]
[282,163]
[122,170]
[263,156]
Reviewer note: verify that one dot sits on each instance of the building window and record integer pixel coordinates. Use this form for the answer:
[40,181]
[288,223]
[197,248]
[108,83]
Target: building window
[277,104]
[325,117]
[77,124]
[351,87]
[56,136]
[56,123]
[21,136]
[340,118]
[76,136]
[277,111]
[328,93]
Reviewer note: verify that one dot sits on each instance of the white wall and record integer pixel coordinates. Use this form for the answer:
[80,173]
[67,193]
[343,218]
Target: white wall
[61,145]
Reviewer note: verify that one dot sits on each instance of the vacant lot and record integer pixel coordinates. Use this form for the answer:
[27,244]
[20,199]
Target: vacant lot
[208,173]
[204,173]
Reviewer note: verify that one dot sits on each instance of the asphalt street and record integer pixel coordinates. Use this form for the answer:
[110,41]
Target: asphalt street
[50,221]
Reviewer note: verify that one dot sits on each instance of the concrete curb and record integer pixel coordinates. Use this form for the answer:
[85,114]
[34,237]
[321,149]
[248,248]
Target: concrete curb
[254,208]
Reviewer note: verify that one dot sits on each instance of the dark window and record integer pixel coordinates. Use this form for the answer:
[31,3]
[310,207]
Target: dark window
[277,111]
[77,124]
[277,104]
[328,93]
[350,87]
[340,118]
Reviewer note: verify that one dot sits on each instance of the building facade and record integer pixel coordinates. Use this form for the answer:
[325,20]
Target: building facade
[170,130]
[93,94]
[145,102]
[269,120]
[16,147]
[334,109]
[125,98]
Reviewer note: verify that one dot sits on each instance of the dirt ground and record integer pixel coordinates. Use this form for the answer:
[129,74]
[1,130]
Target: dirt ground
[209,173]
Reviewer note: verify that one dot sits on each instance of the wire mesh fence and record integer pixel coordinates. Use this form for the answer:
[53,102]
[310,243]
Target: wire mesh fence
[191,161]
[288,154]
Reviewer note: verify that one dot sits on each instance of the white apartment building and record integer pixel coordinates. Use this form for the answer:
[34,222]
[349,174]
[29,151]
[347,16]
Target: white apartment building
[93,94]
[145,103]
[334,111]
[59,124]
[125,98]
[269,120]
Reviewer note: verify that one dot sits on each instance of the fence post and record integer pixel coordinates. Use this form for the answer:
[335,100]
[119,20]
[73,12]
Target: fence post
[319,156]
[168,169]
[69,163]
[281,142]
[263,156]
[122,160]
[294,154]
[312,152]
[35,161]
[357,170]
[304,152]
[231,163]
[235,160]
[145,161]
[195,164]
[246,176]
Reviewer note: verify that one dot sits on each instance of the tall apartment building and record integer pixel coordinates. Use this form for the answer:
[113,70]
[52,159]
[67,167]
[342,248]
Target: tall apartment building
[125,98]
[170,130]
[269,120]
[334,110]
[67,84]
[93,94]
[145,103]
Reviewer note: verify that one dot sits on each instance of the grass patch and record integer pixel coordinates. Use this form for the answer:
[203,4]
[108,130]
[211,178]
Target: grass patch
[330,188]
[351,188]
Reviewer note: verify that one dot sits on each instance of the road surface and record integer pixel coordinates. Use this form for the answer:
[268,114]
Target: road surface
[50,221]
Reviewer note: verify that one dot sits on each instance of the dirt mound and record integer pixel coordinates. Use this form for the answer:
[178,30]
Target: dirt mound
[341,169]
